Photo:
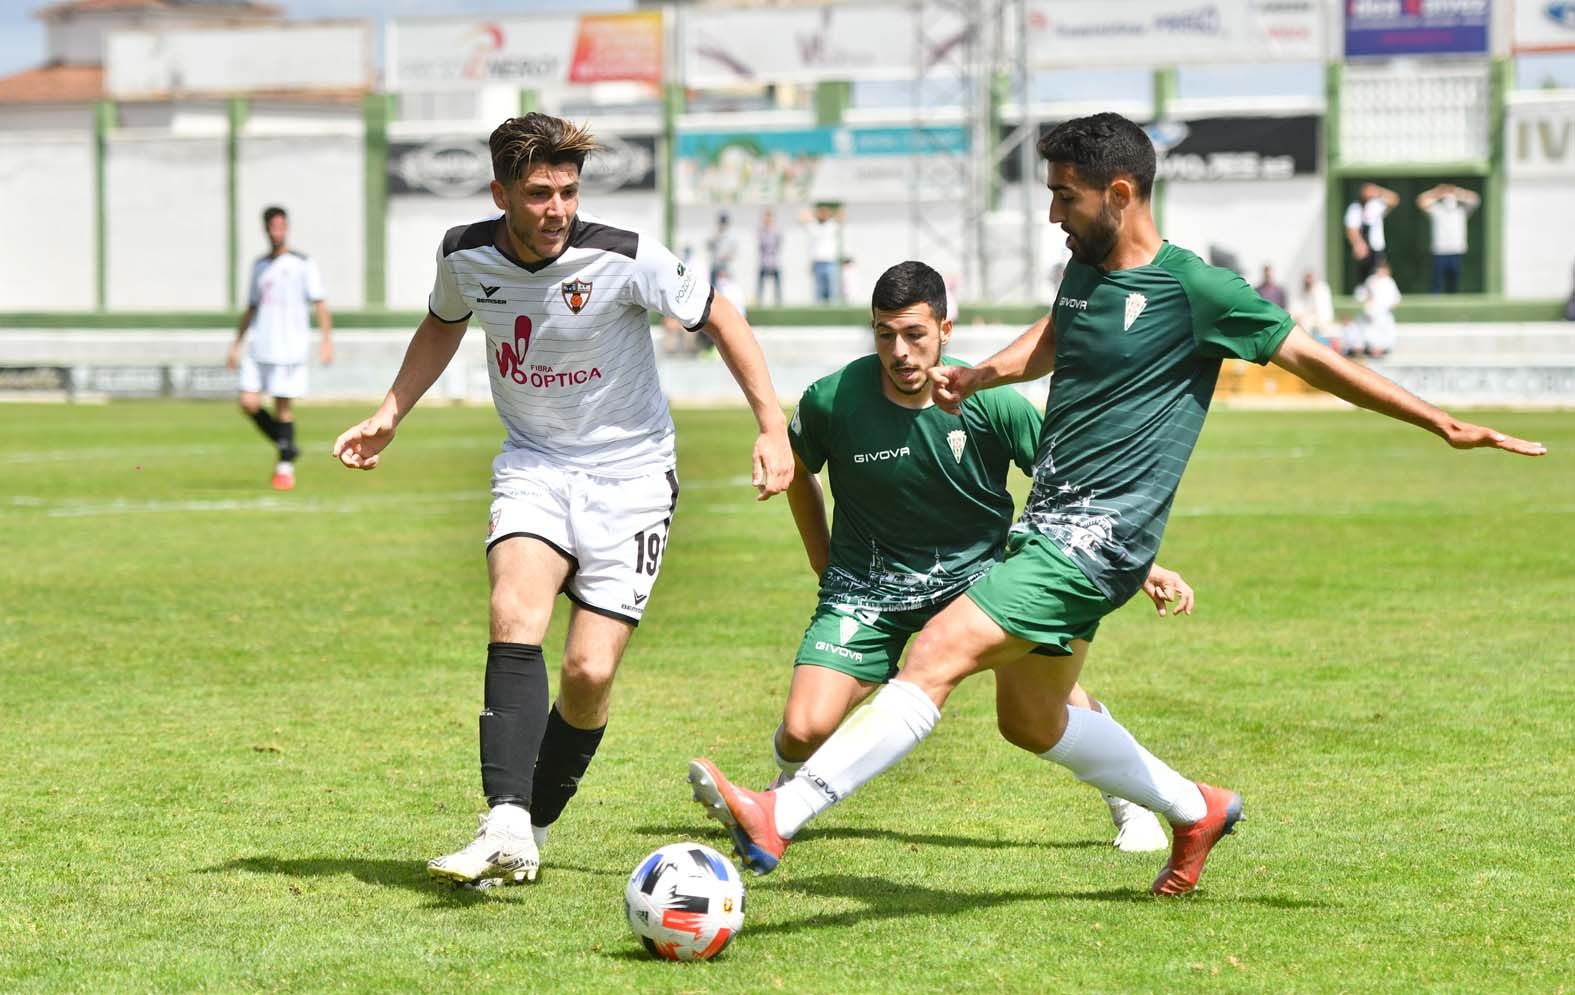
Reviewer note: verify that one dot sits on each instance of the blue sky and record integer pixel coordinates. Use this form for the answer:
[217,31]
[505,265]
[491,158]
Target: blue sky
[22,45]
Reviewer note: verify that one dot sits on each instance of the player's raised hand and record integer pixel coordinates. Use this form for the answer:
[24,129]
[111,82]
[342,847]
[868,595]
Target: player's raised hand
[1464,435]
[773,464]
[360,444]
[1169,591]
[953,384]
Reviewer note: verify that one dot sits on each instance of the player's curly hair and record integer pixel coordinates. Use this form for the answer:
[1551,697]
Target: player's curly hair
[520,144]
[1101,147]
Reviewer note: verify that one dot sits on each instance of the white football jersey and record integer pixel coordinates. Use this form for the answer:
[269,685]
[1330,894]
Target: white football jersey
[569,339]
[282,287]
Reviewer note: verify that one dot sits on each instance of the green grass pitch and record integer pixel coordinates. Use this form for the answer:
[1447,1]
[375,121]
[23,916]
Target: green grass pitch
[236,723]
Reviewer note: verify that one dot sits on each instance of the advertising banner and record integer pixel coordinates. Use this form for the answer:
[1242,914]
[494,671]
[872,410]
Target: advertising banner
[808,165]
[462,166]
[426,53]
[1065,33]
[1417,27]
[1539,139]
[719,47]
[1545,26]
[1213,149]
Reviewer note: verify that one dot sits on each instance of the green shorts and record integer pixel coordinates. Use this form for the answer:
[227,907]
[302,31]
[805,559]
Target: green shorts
[1036,593]
[864,643]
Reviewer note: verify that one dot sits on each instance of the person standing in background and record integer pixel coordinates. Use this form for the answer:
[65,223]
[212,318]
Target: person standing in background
[283,283]
[825,250]
[1379,296]
[1313,309]
[1364,227]
[1447,207]
[1269,290]
[770,254]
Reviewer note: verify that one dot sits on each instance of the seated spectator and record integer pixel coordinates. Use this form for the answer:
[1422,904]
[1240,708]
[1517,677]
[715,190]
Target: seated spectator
[1313,308]
[1269,290]
[1379,296]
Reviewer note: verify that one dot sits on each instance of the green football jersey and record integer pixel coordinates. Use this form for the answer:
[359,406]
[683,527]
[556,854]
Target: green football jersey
[1137,352]
[921,502]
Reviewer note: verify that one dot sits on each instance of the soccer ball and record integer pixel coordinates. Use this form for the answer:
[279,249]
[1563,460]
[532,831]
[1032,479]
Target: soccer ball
[685,902]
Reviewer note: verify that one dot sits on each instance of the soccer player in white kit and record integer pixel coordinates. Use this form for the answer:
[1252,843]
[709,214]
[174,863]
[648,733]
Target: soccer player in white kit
[283,283]
[585,488]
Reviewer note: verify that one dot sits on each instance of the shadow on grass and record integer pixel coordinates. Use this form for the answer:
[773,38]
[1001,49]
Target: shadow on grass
[706,829]
[408,874]
[885,899]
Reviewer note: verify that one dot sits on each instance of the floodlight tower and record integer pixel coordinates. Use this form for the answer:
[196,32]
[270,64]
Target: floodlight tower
[971,62]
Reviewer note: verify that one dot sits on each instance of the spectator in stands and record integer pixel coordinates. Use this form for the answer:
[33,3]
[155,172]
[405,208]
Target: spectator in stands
[1364,227]
[721,247]
[825,250]
[1269,290]
[1379,296]
[1447,207]
[770,249]
[1313,308]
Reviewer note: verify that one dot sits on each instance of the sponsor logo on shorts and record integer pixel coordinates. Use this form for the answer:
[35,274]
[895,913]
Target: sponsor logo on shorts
[882,455]
[842,651]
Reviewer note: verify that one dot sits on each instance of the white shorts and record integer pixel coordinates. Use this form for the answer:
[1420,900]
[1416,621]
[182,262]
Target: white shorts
[273,379]
[613,530]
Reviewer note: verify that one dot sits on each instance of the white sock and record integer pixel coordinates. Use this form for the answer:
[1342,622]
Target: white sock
[1098,750]
[872,739]
[786,766]
[511,817]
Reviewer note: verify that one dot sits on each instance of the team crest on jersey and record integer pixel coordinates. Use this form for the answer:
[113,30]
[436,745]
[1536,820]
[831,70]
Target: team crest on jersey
[957,439]
[1136,302]
[576,294]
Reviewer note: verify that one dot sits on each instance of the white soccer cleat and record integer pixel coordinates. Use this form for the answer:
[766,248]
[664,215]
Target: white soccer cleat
[499,855]
[1137,829]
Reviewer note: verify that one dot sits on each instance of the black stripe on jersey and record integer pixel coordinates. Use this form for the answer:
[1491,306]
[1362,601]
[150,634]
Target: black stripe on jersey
[450,321]
[705,315]
[297,253]
[471,236]
[592,235]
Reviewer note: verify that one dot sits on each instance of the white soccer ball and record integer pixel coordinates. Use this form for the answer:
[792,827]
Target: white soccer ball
[685,902]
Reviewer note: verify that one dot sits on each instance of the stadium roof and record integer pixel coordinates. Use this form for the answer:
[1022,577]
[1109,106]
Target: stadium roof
[57,84]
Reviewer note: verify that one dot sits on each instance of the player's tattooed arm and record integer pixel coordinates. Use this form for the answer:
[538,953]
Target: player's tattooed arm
[808,504]
[1327,370]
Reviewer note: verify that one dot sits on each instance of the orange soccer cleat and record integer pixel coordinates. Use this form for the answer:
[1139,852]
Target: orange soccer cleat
[1190,845]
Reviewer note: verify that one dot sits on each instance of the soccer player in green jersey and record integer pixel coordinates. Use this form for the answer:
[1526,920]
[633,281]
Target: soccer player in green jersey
[922,511]
[1135,340]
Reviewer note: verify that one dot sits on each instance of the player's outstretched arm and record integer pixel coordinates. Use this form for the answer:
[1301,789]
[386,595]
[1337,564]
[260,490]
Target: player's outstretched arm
[736,344]
[232,359]
[428,354]
[1327,370]
[808,504]
[1030,356]
[1169,591]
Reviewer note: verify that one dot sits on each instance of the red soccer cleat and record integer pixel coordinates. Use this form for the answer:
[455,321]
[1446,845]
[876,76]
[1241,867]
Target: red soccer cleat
[1190,845]
[749,815]
[284,477]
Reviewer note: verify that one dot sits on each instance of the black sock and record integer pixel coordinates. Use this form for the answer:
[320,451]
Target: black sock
[513,720]
[286,436]
[565,753]
[266,424]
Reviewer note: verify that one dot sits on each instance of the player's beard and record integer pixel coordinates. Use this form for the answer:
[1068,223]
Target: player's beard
[924,382]
[524,238]
[1096,244]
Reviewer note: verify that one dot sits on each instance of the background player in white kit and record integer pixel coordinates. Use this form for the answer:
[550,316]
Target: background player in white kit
[585,488]
[283,283]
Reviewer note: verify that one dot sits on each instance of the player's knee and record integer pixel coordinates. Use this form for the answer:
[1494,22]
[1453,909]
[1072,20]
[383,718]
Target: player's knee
[1024,733]
[802,732]
[513,619]
[250,403]
[930,664]
[588,673]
